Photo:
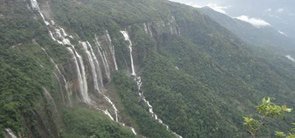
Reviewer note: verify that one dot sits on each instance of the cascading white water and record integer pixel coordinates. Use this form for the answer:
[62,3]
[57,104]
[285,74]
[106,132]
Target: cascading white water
[50,99]
[62,76]
[114,107]
[97,65]
[290,58]
[155,116]
[10,133]
[92,66]
[106,64]
[79,63]
[35,6]
[145,28]
[133,130]
[81,73]
[139,85]
[77,58]
[108,114]
[60,38]
[92,59]
[84,93]
[112,49]
[103,58]
[126,37]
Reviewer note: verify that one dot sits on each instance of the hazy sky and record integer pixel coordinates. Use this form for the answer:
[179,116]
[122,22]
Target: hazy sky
[277,13]
[245,6]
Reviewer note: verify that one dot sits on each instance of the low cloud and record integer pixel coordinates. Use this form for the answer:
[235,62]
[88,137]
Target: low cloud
[217,7]
[282,33]
[268,10]
[280,10]
[214,6]
[254,21]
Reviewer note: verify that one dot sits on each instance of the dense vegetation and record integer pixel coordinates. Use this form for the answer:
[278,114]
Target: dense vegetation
[200,82]
[137,109]
[84,123]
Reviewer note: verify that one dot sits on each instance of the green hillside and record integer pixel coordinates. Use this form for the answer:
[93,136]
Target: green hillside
[199,78]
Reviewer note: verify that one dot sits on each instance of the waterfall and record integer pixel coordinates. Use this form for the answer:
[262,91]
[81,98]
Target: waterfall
[107,67]
[62,76]
[49,98]
[112,49]
[51,36]
[103,59]
[138,81]
[97,65]
[77,58]
[108,114]
[114,107]
[126,37]
[133,131]
[155,116]
[145,28]
[35,6]
[92,66]
[59,35]
[83,90]
[10,133]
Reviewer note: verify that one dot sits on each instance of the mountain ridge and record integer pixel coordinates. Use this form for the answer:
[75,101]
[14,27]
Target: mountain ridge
[265,37]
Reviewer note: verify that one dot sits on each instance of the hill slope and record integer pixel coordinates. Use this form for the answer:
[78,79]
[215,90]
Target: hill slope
[90,68]
[265,37]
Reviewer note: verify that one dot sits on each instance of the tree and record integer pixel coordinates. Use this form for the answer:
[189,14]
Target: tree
[267,110]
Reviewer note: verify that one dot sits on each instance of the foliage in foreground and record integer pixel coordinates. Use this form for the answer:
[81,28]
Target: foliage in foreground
[267,110]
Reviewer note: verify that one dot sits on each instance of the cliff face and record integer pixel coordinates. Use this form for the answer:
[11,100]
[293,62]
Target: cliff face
[128,69]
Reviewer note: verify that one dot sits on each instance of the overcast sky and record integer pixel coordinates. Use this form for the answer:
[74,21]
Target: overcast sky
[244,6]
[277,13]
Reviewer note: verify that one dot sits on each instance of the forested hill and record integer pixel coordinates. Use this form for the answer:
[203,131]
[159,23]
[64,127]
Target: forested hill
[266,37]
[130,68]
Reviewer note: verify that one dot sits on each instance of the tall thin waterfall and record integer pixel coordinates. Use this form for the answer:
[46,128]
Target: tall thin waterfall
[112,49]
[126,37]
[61,39]
[35,6]
[10,133]
[92,66]
[69,93]
[103,59]
[139,85]
[97,65]
[49,98]
[82,88]
[147,29]
[154,115]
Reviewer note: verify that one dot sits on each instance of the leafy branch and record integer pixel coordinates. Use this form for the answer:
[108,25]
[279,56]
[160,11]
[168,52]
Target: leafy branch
[267,110]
